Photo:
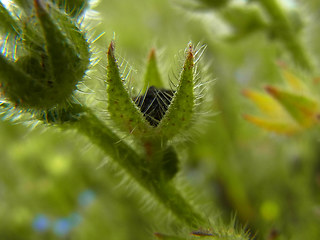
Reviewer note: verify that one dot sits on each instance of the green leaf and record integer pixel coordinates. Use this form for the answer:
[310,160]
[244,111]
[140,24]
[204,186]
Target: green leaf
[122,109]
[180,111]
[152,75]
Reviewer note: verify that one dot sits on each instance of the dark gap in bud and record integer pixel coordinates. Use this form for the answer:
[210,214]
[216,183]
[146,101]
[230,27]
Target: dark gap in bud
[154,104]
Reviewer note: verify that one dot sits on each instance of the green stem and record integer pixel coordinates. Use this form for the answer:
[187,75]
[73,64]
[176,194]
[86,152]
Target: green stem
[285,32]
[92,127]
[166,193]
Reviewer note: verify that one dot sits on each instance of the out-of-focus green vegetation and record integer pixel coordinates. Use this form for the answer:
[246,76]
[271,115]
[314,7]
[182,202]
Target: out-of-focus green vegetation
[56,185]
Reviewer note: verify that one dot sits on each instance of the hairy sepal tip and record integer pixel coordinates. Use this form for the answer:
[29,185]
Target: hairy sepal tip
[190,56]
[181,109]
[152,54]
[122,109]
[111,49]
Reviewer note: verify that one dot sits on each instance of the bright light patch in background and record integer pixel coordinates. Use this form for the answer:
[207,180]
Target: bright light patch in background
[285,3]
[5,2]
[289,3]
[58,165]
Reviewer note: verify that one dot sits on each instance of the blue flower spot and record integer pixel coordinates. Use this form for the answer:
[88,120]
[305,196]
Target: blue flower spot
[86,198]
[40,223]
[75,219]
[62,227]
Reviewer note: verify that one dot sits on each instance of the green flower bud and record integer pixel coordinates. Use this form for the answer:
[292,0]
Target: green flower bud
[53,61]
[158,112]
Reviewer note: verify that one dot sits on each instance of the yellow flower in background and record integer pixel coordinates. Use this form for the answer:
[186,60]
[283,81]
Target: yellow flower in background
[285,110]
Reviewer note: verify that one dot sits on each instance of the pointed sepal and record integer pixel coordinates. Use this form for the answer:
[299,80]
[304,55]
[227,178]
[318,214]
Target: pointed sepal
[75,36]
[63,58]
[123,111]
[181,109]
[152,76]
[60,60]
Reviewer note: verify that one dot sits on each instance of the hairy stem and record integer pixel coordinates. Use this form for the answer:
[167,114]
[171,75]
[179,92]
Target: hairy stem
[99,134]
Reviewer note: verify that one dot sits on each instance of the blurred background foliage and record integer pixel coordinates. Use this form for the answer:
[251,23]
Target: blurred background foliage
[55,185]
